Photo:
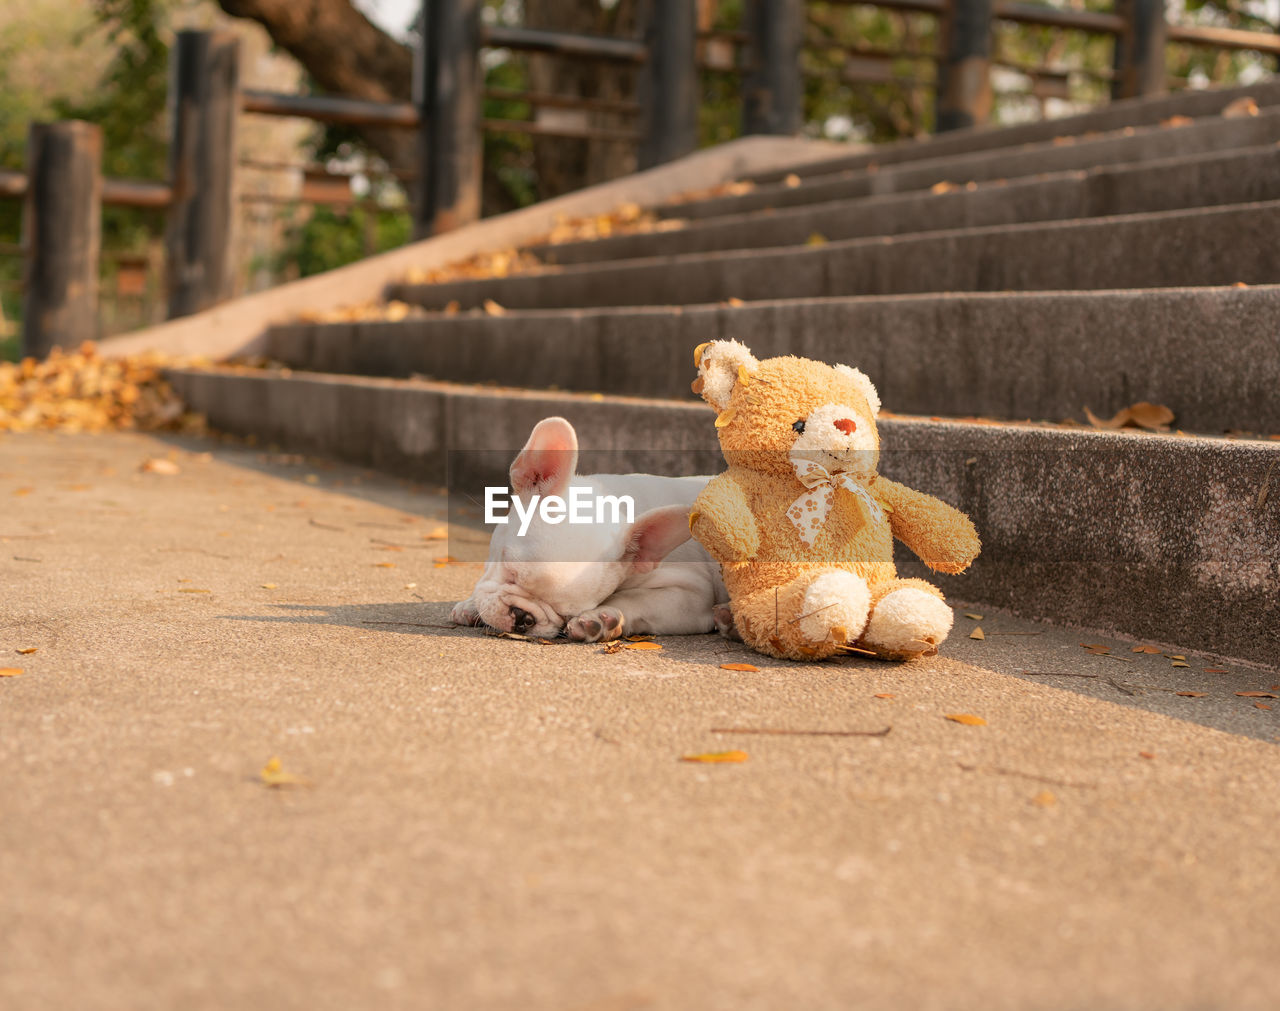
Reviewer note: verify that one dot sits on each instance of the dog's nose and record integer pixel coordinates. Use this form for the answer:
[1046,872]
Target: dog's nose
[846,425]
[521,620]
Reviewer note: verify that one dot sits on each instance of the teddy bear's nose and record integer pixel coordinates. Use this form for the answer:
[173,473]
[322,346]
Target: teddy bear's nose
[846,425]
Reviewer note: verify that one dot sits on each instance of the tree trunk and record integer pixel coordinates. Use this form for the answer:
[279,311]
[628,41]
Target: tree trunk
[346,54]
[563,165]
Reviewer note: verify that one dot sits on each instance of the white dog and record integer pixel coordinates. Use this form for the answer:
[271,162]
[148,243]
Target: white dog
[596,580]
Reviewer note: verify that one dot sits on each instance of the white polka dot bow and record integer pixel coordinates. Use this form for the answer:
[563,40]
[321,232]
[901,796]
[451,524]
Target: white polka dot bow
[809,512]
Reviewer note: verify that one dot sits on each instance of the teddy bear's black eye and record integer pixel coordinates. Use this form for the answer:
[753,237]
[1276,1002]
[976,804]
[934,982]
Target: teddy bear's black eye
[799,426]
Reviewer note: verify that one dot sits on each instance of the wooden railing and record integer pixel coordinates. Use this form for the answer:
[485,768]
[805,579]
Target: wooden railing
[64,191]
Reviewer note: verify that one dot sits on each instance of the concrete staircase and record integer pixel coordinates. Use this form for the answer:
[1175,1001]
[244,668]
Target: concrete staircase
[992,283]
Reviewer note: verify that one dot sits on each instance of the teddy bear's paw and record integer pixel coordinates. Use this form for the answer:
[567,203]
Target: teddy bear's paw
[598,625]
[722,615]
[835,602]
[908,623]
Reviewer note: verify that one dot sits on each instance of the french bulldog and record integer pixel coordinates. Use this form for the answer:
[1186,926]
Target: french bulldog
[626,566]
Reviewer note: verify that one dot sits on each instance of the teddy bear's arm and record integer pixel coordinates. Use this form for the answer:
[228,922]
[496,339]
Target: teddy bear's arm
[722,522]
[943,536]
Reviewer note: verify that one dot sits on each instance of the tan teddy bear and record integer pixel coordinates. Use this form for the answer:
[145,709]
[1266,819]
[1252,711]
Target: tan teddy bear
[802,524]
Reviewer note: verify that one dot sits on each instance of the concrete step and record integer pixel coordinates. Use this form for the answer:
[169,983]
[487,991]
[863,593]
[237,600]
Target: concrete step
[1207,353]
[1151,536]
[1205,180]
[1217,246]
[1126,146]
[1134,112]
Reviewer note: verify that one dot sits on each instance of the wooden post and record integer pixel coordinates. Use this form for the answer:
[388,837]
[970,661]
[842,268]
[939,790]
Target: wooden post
[669,85]
[205,102]
[964,75]
[62,228]
[1139,53]
[774,93]
[451,144]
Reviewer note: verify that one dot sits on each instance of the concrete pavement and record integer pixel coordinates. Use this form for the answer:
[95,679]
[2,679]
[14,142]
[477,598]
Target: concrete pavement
[491,823]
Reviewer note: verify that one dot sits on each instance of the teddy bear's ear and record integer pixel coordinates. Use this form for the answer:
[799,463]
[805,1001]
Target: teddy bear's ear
[864,384]
[721,366]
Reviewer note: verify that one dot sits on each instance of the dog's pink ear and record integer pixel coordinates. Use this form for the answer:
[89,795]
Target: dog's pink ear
[655,535]
[548,460]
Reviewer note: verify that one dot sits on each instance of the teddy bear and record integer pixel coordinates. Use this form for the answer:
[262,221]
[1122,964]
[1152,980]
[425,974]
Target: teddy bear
[803,525]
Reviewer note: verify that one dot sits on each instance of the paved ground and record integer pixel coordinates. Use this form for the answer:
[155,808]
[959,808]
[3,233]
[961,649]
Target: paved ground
[489,823]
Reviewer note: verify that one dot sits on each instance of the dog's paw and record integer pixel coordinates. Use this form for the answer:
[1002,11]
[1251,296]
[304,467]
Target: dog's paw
[599,625]
[464,613]
[722,615]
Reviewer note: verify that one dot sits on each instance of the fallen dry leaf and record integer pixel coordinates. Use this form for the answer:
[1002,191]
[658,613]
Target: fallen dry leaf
[268,586]
[384,565]
[1175,656]
[613,647]
[1153,417]
[28,651]
[942,187]
[1192,695]
[160,465]
[1240,107]
[492,308]
[716,756]
[1261,705]
[791,180]
[22,492]
[396,311]
[1044,798]
[977,633]
[643,645]
[1148,649]
[10,672]
[1256,695]
[1179,663]
[436,534]
[1146,754]
[1216,670]
[885,695]
[975,617]
[747,667]
[1173,122]
[816,239]
[968,719]
[192,589]
[273,775]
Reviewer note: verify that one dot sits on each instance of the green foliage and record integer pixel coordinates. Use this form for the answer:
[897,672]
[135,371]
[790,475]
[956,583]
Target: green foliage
[331,237]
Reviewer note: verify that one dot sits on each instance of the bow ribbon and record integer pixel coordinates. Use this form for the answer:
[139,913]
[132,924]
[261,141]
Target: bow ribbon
[810,511]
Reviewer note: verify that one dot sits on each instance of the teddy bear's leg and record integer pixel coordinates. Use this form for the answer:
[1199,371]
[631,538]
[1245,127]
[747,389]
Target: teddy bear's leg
[809,618]
[909,619]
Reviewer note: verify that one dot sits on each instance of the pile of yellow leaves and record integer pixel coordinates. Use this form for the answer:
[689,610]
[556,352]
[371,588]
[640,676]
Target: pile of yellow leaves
[495,263]
[84,392]
[625,219]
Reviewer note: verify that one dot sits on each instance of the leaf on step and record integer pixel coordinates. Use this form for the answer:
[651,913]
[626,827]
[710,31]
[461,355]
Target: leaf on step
[1044,798]
[1192,695]
[1147,755]
[1096,648]
[977,633]
[1240,108]
[716,757]
[975,617]
[747,667]
[28,651]
[268,586]
[1261,705]
[10,672]
[643,645]
[614,647]
[192,589]
[273,775]
[1216,670]
[791,181]
[396,311]
[436,534]
[816,239]
[160,465]
[1156,650]
[1180,663]
[384,565]
[942,187]
[885,695]
[492,308]
[1153,417]
[1173,122]
[968,719]
[1176,656]
[1256,695]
